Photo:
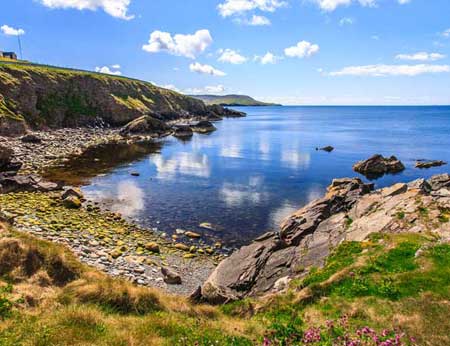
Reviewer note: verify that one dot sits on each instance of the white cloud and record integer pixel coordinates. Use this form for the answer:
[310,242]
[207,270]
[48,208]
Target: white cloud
[182,45]
[209,89]
[346,21]
[331,5]
[116,66]
[303,49]
[446,33]
[107,70]
[115,8]
[7,30]
[232,57]
[236,7]
[259,21]
[268,58]
[390,70]
[206,69]
[421,56]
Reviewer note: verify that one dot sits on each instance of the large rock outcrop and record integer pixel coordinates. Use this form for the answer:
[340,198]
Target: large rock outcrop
[44,96]
[349,211]
[377,165]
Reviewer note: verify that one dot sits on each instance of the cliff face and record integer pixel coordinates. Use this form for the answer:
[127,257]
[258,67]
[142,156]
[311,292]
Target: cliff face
[41,96]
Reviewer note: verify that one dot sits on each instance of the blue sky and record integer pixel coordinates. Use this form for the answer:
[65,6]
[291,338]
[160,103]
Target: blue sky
[288,51]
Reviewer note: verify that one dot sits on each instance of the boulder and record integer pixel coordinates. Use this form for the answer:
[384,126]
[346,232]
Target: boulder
[11,127]
[72,191]
[377,166]
[183,131]
[31,138]
[429,164]
[72,202]
[145,125]
[170,277]
[203,127]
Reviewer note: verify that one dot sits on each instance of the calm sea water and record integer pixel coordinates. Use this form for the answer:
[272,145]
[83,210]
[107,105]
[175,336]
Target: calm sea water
[253,172]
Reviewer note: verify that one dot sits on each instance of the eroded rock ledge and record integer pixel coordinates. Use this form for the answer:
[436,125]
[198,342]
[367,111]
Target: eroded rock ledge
[351,210]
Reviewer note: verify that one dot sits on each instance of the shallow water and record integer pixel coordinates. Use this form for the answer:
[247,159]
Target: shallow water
[253,172]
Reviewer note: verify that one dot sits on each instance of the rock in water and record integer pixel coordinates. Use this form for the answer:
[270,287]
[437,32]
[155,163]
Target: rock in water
[328,149]
[183,131]
[377,166]
[204,127]
[145,125]
[429,164]
[170,277]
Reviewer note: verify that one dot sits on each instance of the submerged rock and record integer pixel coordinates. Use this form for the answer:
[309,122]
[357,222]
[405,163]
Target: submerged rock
[377,166]
[429,164]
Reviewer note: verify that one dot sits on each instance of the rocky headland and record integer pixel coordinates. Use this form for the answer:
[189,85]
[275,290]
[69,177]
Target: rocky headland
[350,211]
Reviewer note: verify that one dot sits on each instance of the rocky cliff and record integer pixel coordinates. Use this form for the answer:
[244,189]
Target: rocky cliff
[48,97]
[350,211]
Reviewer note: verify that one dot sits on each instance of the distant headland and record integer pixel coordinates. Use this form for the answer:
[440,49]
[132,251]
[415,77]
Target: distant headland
[231,100]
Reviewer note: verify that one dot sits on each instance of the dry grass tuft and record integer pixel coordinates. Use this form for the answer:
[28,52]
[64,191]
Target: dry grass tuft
[112,294]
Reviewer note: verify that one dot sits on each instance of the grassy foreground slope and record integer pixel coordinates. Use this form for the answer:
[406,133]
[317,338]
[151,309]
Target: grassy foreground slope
[231,100]
[49,96]
[391,286]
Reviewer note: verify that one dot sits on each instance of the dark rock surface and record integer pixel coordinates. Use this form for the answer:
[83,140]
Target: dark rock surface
[377,166]
[351,210]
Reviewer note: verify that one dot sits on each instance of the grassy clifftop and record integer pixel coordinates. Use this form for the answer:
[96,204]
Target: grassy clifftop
[48,96]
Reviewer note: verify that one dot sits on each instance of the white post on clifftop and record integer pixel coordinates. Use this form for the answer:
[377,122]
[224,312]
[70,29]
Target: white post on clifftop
[20,47]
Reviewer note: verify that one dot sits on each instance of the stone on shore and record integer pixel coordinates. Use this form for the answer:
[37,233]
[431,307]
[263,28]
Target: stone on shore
[170,277]
[152,247]
[72,202]
[193,235]
[377,166]
[72,191]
